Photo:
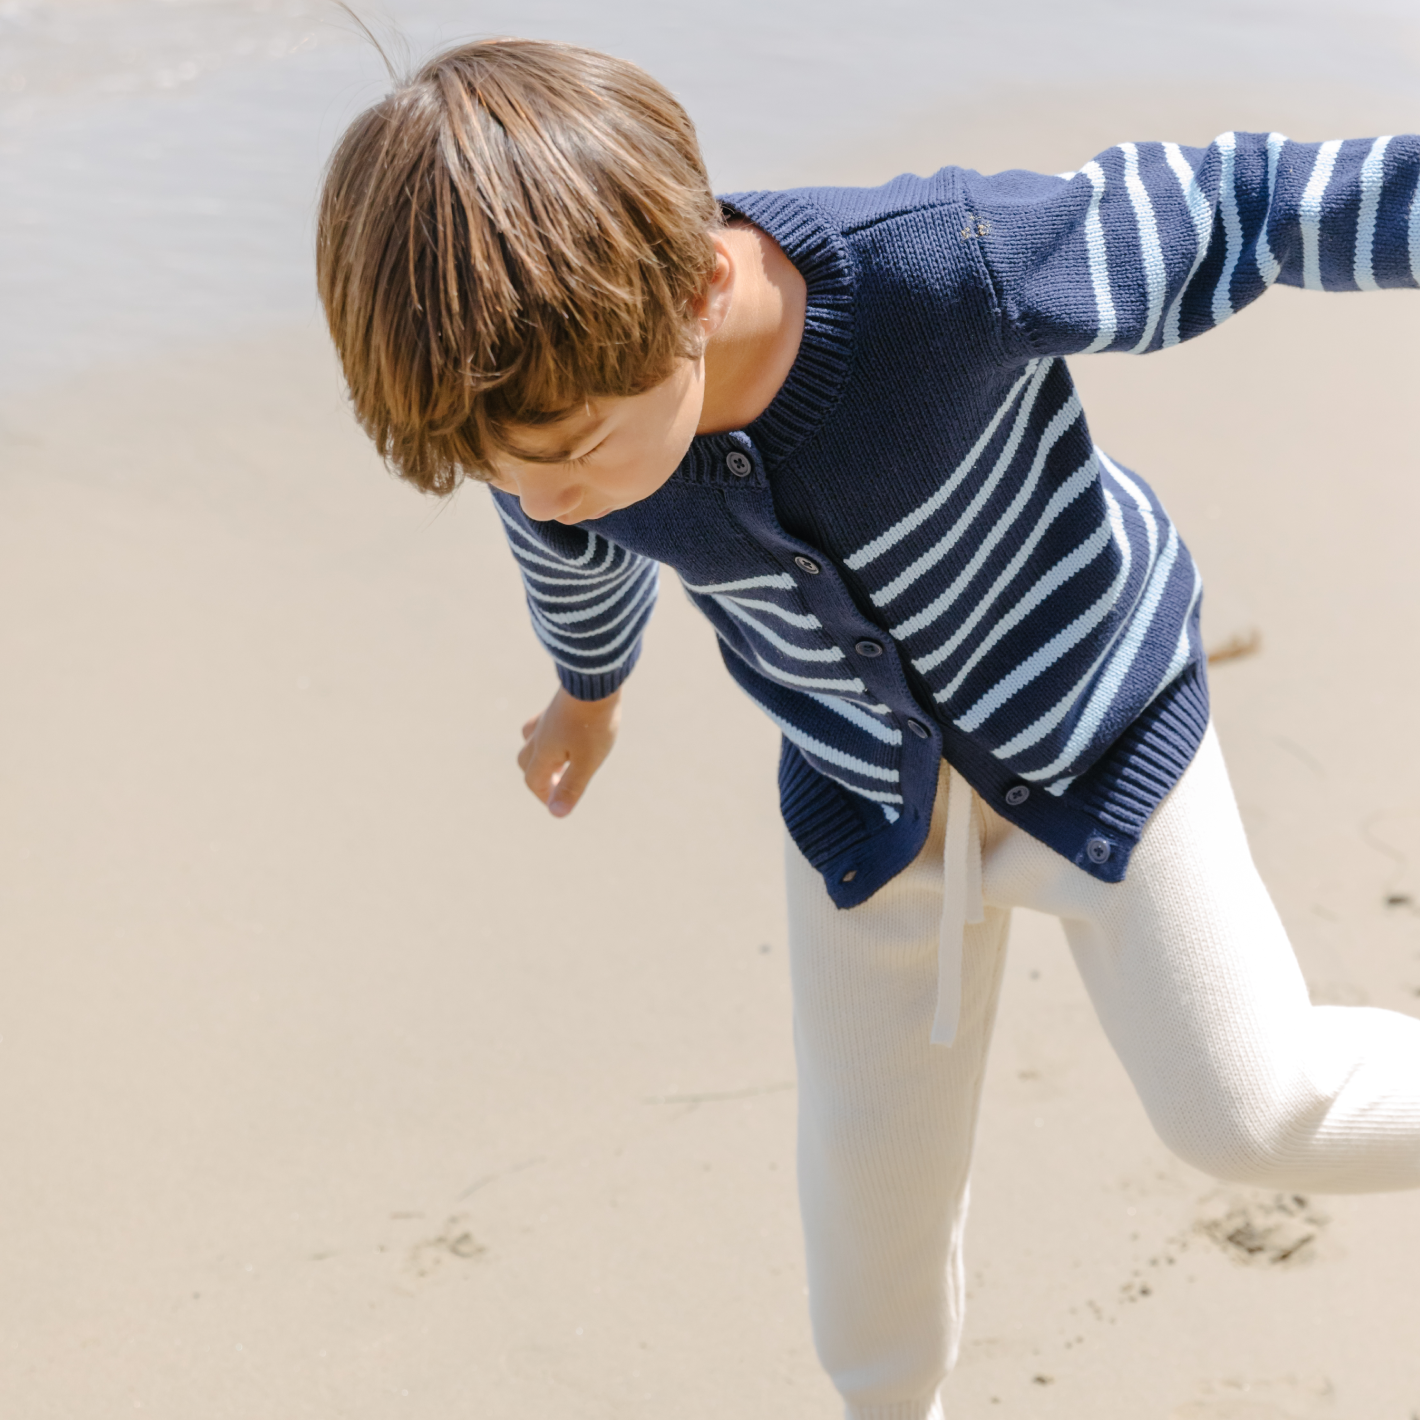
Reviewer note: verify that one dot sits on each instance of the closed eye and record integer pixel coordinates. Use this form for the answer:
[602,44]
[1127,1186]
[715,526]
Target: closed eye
[585,458]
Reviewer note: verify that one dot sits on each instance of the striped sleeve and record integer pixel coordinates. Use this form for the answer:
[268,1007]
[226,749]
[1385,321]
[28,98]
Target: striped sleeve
[1150,243]
[589,599]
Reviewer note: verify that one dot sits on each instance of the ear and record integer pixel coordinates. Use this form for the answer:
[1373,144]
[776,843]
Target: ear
[714,303]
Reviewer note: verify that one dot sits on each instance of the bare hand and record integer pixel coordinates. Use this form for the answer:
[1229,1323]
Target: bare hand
[565,745]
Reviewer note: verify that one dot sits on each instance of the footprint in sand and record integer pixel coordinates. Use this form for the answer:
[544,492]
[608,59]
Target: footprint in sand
[1263,1229]
[455,1242]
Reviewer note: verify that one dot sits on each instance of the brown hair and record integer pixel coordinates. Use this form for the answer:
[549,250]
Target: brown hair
[519,228]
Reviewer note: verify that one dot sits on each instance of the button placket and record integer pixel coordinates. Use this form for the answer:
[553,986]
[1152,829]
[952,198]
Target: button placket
[825,596]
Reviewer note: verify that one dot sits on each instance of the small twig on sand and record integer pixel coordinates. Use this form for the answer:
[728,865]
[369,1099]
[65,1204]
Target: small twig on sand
[1236,647]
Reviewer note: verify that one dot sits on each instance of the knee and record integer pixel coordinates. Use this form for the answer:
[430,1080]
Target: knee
[1339,1112]
[1259,1142]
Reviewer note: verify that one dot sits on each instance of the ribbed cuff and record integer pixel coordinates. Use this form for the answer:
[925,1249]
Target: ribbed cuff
[928,1408]
[597,687]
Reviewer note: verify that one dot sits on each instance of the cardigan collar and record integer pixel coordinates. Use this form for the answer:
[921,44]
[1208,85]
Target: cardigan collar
[820,371]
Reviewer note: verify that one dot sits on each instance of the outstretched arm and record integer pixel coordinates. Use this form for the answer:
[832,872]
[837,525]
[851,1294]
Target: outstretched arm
[1150,243]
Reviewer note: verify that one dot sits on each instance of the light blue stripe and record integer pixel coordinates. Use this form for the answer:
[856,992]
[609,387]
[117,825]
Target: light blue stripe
[929,559]
[1201,213]
[1415,237]
[1067,567]
[806,621]
[839,684]
[878,796]
[1227,145]
[1155,273]
[798,653]
[1098,255]
[563,619]
[558,636]
[829,754]
[601,669]
[1309,212]
[630,634]
[899,530]
[745,584]
[1106,692]
[1078,482]
[597,587]
[864,720]
[1064,420]
[590,580]
[1182,652]
[1269,268]
[568,563]
[1372,182]
[1036,664]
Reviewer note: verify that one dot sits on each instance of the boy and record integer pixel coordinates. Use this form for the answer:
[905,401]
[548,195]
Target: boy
[843,417]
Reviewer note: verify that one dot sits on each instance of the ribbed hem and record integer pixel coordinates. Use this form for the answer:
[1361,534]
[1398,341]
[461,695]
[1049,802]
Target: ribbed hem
[827,821]
[1149,758]
[928,1408]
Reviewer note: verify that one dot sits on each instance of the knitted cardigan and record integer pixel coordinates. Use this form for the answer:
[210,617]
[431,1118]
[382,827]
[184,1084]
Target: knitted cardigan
[917,550]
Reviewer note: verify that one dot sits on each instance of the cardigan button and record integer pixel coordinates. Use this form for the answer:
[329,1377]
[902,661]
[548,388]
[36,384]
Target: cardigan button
[919,729]
[739,464]
[868,648]
[1097,850]
[807,564]
[1017,794]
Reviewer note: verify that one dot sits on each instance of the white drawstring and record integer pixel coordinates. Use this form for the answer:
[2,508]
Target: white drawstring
[962,902]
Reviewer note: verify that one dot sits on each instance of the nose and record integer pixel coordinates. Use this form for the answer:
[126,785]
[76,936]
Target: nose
[545,500]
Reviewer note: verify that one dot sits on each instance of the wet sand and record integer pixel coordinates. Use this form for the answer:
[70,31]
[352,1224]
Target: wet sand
[336,1079]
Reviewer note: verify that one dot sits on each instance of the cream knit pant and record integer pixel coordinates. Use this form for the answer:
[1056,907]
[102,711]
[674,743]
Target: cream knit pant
[1195,983]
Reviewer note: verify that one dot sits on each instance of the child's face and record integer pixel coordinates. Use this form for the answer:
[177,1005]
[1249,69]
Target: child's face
[613,453]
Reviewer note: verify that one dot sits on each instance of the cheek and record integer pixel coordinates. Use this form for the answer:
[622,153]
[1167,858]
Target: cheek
[677,435]
[661,459]
[650,461]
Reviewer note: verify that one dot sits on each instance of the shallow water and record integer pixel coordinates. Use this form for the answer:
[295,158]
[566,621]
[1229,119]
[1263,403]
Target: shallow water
[158,158]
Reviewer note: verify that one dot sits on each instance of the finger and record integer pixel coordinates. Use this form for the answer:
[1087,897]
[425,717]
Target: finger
[569,786]
[530,727]
[541,770]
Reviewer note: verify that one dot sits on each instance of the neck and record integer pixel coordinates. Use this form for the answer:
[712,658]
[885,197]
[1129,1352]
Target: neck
[750,355]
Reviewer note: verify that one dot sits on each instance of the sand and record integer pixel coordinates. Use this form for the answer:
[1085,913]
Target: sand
[338,1080]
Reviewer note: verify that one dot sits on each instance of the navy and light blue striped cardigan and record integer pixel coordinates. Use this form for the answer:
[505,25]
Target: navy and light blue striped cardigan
[917,550]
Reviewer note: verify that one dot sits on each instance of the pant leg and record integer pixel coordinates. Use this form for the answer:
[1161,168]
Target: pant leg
[886,1122]
[1191,973]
